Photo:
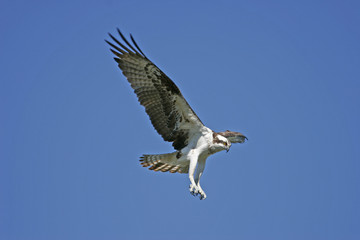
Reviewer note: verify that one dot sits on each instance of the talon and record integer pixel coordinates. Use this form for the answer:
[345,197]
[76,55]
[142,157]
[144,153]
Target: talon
[193,190]
[202,194]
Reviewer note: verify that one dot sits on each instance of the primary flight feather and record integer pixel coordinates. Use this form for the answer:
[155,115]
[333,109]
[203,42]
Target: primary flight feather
[171,116]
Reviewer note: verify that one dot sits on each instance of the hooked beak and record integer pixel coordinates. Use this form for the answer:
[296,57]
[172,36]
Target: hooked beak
[227,149]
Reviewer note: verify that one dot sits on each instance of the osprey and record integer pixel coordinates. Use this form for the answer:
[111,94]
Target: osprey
[171,116]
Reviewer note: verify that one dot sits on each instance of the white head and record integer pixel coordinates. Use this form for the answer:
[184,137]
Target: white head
[220,142]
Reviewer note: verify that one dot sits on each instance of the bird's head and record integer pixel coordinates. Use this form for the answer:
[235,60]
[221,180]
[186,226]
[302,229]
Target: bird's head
[220,142]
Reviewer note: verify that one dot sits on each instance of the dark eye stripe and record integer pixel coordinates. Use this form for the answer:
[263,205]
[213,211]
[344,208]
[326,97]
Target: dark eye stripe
[220,141]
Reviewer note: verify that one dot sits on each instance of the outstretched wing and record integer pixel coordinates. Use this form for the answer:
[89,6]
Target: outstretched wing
[169,112]
[234,137]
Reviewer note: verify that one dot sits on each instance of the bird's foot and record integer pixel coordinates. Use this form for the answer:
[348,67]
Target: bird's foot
[202,193]
[194,190]
[197,190]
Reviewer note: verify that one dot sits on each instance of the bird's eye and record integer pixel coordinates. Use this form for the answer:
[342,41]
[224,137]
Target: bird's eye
[225,143]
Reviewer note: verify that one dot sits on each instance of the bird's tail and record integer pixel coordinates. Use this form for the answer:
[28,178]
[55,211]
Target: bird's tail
[164,162]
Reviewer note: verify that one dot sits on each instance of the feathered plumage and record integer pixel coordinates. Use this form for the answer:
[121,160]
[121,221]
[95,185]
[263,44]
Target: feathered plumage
[171,116]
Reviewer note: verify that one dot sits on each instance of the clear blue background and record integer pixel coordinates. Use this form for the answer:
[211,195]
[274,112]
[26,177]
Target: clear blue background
[285,73]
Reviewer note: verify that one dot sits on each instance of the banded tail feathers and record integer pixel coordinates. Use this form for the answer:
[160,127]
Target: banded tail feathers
[164,163]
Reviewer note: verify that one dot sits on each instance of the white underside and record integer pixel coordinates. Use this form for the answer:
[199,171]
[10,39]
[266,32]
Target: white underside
[199,148]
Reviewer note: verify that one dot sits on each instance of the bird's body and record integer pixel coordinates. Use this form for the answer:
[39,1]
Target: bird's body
[172,117]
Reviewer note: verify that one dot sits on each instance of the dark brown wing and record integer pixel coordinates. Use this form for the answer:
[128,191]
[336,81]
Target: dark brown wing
[170,114]
[234,137]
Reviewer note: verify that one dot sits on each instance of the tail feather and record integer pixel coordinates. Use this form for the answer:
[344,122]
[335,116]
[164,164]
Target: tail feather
[164,163]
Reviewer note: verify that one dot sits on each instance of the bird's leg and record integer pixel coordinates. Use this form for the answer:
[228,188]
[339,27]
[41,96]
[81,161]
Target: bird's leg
[199,171]
[194,190]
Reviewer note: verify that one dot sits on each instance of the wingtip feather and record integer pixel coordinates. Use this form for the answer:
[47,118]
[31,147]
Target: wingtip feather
[137,46]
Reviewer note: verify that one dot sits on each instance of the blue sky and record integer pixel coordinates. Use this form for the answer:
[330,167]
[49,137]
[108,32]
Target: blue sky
[284,73]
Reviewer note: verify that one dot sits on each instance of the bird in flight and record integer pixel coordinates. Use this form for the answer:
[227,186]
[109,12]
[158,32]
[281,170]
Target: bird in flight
[171,116]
